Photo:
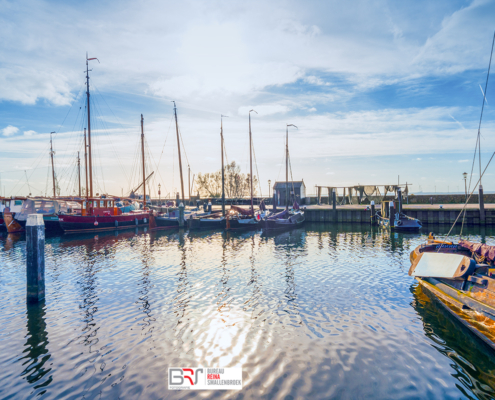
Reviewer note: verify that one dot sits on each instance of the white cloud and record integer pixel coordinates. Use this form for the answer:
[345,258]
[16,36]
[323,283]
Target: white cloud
[10,130]
[233,49]
[29,133]
[418,159]
[463,161]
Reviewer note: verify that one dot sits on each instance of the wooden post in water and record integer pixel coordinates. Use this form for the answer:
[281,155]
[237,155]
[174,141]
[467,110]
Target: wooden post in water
[482,206]
[209,206]
[35,258]
[399,200]
[373,212]
[392,214]
[274,208]
[181,215]
[318,200]
[334,205]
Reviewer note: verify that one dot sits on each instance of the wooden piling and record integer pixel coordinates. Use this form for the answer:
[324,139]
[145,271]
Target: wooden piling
[482,206]
[373,212]
[35,258]
[318,201]
[392,214]
[181,215]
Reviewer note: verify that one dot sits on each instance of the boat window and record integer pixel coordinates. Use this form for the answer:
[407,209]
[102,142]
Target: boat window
[110,203]
[102,204]
[90,204]
[18,202]
[7,204]
[84,204]
[62,206]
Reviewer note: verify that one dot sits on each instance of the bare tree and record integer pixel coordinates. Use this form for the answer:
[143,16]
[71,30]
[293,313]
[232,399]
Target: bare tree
[237,184]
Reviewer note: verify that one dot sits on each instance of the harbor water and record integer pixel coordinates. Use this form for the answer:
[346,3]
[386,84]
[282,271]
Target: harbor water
[325,311]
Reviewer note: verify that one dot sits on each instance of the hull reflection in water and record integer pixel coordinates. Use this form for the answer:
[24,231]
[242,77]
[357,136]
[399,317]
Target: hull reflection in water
[470,356]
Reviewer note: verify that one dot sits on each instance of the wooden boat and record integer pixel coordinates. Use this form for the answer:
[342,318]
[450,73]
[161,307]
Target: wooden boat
[14,205]
[49,208]
[101,213]
[462,276]
[289,218]
[395,219]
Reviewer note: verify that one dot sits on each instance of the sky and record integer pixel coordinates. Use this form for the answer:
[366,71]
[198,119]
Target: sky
[380,91]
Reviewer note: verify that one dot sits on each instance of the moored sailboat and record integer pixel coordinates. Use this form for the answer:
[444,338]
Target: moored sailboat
[100,213]
[289,218]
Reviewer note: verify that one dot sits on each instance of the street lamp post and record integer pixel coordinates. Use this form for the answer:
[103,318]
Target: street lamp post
[465,185]
[159,193]
[269,187]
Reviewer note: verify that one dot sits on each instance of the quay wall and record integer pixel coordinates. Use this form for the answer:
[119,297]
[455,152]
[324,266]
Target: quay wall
[426,216]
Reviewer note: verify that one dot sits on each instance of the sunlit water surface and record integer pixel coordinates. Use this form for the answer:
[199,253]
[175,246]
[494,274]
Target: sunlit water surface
[326,311]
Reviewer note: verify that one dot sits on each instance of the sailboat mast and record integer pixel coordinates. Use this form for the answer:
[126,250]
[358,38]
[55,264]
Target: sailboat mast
[223,168]
[86,162]
[178,148]
[142,154]
[53,169]
[251,162]
[79,172]
[287,167]
[89,132]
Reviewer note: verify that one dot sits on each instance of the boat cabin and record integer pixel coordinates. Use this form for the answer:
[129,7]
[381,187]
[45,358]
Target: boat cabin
[99,206]
[13,203]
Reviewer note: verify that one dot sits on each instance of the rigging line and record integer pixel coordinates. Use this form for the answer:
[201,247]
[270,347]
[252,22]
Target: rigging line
[478,138]
[184,147]
[40,156]
[467,200]
[106,131]
[165,142]
[152,161]
[78,94]
[483,104]
[126,130]
[257,172]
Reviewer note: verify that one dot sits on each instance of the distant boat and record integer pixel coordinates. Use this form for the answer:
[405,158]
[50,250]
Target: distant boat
[289,218]
[238,217]
[396,219]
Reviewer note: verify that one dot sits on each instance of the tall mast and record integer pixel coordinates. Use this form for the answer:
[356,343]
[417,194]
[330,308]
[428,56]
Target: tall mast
[79,172]
[178,147]
[189,181]
[142,154]
[223,168]
[251,162]
[287,165]
[86,162]
[89,132]
[89,127]
[53,169]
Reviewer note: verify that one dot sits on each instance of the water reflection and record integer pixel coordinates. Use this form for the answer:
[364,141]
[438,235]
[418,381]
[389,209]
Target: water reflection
[473,364]
[36,353]
[316,312]
[145,284]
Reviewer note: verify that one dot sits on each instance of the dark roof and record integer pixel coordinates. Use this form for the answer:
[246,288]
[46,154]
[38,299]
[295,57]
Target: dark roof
[296,184]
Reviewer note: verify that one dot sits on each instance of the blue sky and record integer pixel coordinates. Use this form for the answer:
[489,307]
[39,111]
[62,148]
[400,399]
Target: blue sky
[377,89]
